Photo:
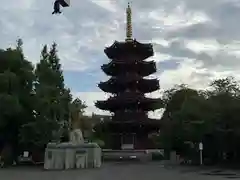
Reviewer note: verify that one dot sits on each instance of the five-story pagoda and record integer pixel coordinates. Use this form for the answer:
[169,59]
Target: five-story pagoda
[130,125]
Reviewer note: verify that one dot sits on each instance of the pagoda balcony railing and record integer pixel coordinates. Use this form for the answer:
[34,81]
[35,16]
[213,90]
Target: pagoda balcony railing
[128,95]
[133,124]
[141,126]
[130,115]
[123,63]
[129,111]
[142,68]
[120,103]
[125,78]
[128,76]
[131,80]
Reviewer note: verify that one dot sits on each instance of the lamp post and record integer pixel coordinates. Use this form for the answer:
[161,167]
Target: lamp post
[199,124]
[201,151]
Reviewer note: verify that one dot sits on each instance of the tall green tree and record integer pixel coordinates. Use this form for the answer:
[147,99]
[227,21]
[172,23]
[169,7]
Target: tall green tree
[50,86]
[225,99]
[52,100]
[16,94]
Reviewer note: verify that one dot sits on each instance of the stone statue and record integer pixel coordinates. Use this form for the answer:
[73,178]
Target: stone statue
[76,136]
[76,121]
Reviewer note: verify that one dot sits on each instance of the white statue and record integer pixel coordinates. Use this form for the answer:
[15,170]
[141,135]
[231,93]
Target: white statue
[76,136]
[76,121]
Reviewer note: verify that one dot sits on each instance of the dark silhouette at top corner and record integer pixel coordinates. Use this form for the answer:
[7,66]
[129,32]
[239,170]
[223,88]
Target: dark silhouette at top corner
[56,7]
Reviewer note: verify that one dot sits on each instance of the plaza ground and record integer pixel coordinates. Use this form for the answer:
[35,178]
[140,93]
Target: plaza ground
[120,171]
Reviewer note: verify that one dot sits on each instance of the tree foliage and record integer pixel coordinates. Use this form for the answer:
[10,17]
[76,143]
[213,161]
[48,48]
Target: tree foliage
[53,100]
[16,94]
[34,101]
[210,116]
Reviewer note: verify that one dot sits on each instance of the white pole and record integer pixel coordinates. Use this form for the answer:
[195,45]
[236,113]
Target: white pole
[201,158]
[201,152]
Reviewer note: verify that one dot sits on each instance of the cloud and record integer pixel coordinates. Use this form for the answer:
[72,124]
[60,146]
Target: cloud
[194,41]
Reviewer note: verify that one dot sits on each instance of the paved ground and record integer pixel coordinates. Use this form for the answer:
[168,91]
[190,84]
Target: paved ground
[117,171]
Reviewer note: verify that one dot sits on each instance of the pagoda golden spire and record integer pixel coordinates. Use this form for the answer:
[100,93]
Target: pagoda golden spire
[129,24]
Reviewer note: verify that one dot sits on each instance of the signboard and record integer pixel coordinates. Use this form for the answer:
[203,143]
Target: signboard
[25,154]
[200,146]
[127,146]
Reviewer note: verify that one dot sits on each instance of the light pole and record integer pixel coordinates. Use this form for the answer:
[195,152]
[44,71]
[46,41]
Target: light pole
[200,145]
[201,152]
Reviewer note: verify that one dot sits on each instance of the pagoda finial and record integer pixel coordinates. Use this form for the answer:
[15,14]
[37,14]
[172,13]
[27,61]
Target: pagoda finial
[129,23]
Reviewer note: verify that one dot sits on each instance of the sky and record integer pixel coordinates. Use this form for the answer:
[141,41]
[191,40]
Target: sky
[194,41]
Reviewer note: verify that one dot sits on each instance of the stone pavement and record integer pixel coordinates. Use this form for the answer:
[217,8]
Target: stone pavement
[207,170]
[112,171]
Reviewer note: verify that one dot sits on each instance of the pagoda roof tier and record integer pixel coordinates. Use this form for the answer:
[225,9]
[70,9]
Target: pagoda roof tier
[143,68]
[145,126]
[115,85]
[118,50]
[132,102]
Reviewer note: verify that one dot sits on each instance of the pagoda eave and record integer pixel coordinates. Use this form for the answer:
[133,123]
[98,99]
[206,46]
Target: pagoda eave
[142,68]
[141,73]
[118,49]
[120,104]
[149,125]
[113,90]
[142,85]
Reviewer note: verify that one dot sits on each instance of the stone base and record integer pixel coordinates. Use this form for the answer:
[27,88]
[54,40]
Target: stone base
[70,156]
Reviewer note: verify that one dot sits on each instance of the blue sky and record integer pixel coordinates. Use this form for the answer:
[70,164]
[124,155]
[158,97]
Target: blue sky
[194,41]
[81,81]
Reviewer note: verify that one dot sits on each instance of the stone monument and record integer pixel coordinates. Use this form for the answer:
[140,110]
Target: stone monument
[75,153]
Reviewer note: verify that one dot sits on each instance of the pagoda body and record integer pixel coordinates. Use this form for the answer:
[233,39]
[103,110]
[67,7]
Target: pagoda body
[130,125]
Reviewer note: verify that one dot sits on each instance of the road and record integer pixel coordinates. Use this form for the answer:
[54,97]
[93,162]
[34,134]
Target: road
[114,171]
